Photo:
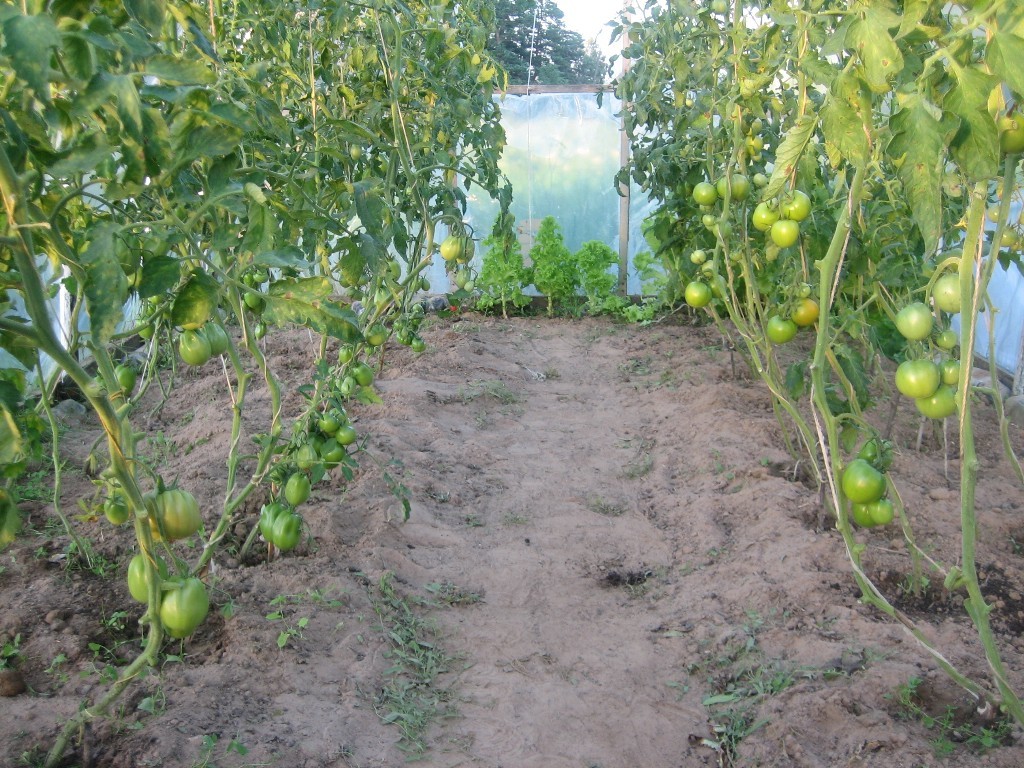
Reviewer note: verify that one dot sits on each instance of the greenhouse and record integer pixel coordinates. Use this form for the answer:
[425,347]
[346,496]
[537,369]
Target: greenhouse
[406,382]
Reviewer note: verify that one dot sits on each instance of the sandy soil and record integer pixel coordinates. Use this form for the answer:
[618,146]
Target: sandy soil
[608,564]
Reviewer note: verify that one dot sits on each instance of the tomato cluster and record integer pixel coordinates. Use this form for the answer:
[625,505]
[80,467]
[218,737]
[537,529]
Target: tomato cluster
[864,485]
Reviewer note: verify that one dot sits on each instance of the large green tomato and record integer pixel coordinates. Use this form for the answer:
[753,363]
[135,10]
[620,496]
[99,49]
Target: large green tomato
[939,405]
[217,337]
[296,490]
[287,531]
[915,321]
[740,187]
[184,607]
[175,515]
[268,516]
[1011,134]
[780,330]
[918,378]
[862,483]
[194,347]
[796,207]
[704,193]
[763,217]
[785,232]
[697,294]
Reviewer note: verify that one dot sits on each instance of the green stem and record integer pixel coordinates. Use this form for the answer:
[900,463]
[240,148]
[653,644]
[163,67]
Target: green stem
[970,299]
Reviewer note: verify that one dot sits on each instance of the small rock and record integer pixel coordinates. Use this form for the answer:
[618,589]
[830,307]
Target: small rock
[11,682]
[1014,408]
[69,411]
[940,494]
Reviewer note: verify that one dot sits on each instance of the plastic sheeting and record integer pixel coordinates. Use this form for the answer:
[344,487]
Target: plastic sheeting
[561,158]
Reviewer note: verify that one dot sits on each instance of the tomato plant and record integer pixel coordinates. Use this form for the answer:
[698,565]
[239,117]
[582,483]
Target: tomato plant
[915,321]
[780,329]
[918,378]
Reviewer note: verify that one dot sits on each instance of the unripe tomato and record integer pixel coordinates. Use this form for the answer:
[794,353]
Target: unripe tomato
[345,435]
[331,452]
[306,457]
[763,217]
[376,335]
[785,233]
[918,378]
[138,583]
[268,516]
[296,490]
[950,372]
[698,257]
[116,510]
[704,193]
[126,378]
[881,512]
[939,405]
[862,483]
[217,337]
[345,354]
[194,348]
[287,531]
[329,422]
[805,313]
[740,187]
[915,321]
[862,515]
[451,248]
[947,339]
[175,515]
[183,608]
[417,344]
[1011,134]
[946,293]
[363,374]
[796,207]
[780,330]
[697,294]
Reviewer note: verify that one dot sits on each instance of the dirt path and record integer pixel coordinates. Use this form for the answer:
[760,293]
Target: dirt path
[618,572]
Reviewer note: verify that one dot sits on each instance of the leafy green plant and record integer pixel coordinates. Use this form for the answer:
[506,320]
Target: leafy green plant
[554,270]
[502,273]
[594,259]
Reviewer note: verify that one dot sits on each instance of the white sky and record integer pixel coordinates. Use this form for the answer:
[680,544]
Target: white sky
[588,17]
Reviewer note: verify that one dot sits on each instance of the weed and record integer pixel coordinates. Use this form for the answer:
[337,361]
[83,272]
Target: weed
[473,521]
[511,518]
[56,668]
[293,632]
[951,726]
[607,508]
[495,389]
[36,486]
[410,698]
[10,652]
[451,594]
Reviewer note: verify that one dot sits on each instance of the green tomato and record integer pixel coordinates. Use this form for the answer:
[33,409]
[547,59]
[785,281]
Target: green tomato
[287,531]
[116,510]
[785,232]
[345,435]
[138,581]
[878,453]
[217,337]
[740,187]
[296,490]
[950,372]
[697,294]
[881,512]
[126,378]
[698,257]
[915,321]
[796,207]
[194,348]
[175,515]
[862,515]
[946,293]
[184,607]
[940,405]
[331,451]
[1011,134]
[947,339]
[862,483]
[417,345]
[345,354]
[780,330]
[268,516]
[705,193]
[918,378]
[763,217]
[363,374]
[376,335]
[306,457]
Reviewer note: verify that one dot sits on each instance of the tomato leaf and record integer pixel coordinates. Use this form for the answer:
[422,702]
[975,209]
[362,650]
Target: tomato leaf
[789,152]
[796,380]
[880,56]
[917,145]
[844,133]
[306,301]
[976,144]
[10,438]
[160,273]
[105,285]
[10,519]
[29,43]
[149,13]
[175,71]
[1004,55]
[369,206]
[289,257]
